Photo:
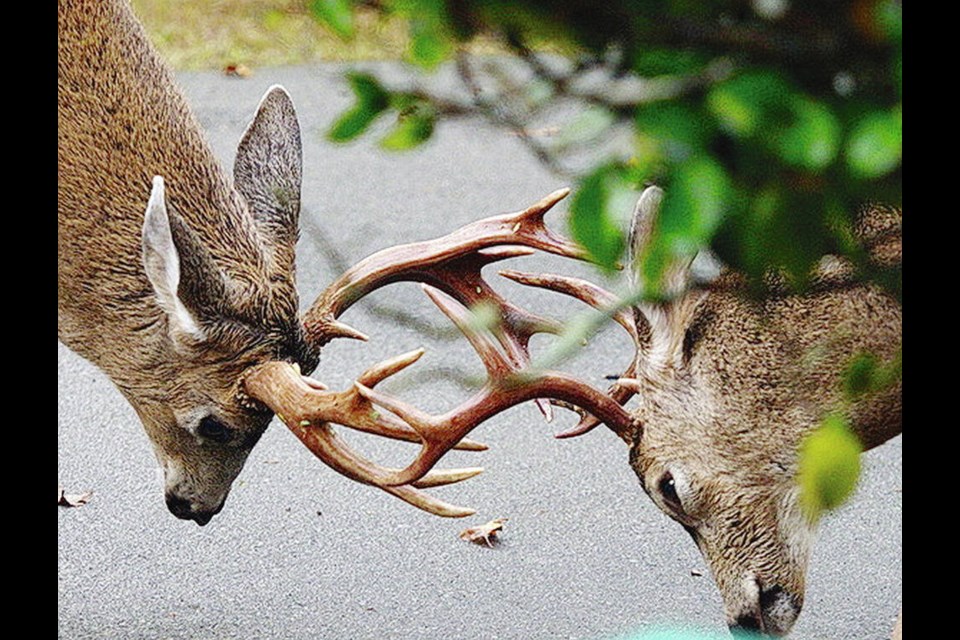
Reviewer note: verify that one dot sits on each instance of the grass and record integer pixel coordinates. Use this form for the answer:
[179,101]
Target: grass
[216,34]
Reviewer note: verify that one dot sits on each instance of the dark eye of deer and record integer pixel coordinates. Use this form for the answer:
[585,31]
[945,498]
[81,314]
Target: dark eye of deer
[211,429]
[668,489]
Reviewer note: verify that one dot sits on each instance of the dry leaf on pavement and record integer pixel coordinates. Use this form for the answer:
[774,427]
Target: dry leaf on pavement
[65,499]
[484,533]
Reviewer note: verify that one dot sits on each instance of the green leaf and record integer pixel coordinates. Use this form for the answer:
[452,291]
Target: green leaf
[335,14]
[368,91]
[429,44]
[693,207]
[594,222]
[695,203]
[746,103]
[875,145]
[781,227]
[889,17]
[431,39]
[812,140]
[865,374]
[412,129]
[351,124]
[484,316]
[372,100]
[859,377]
[680,128]
[650,63]
[829,466]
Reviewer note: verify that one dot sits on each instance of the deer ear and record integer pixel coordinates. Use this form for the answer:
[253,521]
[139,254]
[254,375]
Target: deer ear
[268,173]
[188,286]
[643,230]
[662,322]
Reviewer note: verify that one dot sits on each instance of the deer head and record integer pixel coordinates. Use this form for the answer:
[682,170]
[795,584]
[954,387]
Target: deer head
[727,388]
[212,318]
[191,307]
[174,295]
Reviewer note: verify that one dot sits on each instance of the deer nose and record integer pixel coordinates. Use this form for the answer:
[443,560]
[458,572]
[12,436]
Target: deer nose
[777,611]
[183,509]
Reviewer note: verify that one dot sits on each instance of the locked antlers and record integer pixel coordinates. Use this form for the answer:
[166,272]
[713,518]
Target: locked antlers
[449,268]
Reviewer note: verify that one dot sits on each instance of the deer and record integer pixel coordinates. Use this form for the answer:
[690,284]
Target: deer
[729,385]
[178,281]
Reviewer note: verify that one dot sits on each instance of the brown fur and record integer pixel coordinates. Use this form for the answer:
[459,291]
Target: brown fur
[729,394]
[121,121]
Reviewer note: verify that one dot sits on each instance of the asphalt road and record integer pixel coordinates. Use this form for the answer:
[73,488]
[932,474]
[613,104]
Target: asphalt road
[300,552]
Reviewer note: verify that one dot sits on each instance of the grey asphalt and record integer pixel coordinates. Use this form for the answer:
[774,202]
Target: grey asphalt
[300,552]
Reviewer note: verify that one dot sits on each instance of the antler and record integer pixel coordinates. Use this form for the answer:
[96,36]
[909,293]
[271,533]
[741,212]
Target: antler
[507,385]
[307,408]
[625,387]
[450,268]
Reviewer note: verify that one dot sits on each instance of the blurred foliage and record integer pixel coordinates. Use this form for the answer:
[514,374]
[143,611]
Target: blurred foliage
[829,466]
[769,122]
[258,33]
[865,375]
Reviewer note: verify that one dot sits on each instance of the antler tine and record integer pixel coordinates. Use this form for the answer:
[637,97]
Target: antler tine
[584,290]
[602,300]
[338,455]
[495,363]
[308,411]
[533,216]
[428,503]
[462,281]
[417,261]
[387,368]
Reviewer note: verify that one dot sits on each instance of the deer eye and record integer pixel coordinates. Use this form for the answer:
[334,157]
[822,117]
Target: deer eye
[668,490]
[212,429]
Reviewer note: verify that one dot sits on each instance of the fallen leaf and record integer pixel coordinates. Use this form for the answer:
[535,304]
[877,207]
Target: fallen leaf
[65,499]
[238,70]
[484,533]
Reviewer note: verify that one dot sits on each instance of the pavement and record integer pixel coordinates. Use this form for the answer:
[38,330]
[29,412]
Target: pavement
[300,552]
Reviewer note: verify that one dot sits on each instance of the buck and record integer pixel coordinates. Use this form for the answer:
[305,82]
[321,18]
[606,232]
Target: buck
[179,282]
[728,387]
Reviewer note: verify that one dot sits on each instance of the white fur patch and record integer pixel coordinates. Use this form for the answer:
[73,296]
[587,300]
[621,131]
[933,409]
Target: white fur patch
[797,531]
[162,262]
[659,356]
